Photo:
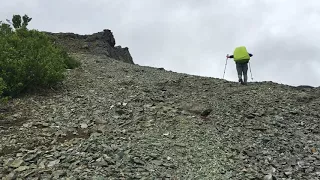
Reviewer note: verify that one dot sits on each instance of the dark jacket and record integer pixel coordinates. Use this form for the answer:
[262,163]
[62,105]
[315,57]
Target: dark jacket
[231,56]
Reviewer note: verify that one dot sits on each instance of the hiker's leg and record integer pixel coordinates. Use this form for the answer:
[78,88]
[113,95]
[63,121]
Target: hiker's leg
[245,71]
[239,71]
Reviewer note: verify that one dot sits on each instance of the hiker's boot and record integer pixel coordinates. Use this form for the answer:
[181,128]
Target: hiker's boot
[241,81]
[245,79]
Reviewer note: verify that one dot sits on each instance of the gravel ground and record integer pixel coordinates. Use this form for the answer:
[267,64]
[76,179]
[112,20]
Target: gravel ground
[113,120]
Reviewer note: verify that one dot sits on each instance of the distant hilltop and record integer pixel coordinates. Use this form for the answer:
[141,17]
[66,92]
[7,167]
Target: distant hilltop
[100,43]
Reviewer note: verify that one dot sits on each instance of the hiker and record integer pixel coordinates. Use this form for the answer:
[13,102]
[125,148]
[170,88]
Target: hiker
[241,58]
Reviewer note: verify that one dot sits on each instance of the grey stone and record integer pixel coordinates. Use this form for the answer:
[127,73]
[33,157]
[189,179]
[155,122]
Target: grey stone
[84,126]
[16,163]
[53,163]
[138,121]
[269,177]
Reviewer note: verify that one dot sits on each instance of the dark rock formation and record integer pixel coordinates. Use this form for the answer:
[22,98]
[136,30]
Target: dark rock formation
[304,86]
[100,43]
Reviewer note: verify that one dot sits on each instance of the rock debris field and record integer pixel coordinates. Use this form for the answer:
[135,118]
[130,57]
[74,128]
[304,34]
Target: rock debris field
[114,120]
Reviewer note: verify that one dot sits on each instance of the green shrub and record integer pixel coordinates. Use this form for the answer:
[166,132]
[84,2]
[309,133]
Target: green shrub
[2,85]
[70,62]
[2,88]
[29,59]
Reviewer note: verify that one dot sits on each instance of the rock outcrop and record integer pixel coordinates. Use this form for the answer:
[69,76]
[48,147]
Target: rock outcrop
[100,43]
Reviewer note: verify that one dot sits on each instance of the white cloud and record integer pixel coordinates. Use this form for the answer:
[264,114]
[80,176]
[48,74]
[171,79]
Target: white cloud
[193,36]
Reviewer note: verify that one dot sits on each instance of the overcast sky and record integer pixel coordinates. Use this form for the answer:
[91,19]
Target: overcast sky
[194,36]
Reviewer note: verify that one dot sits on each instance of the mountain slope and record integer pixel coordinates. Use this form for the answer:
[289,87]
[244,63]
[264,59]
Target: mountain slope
[124,121]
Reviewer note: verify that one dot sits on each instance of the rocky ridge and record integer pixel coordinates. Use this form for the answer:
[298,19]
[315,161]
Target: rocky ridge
[100,43]
[115,120]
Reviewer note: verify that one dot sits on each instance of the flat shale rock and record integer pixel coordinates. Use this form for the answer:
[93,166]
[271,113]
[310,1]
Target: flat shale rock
[115,120]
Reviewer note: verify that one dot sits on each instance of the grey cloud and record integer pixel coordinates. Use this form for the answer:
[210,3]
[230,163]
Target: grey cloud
[193,36]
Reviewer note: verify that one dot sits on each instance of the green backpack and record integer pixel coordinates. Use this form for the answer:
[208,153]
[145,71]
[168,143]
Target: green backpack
[241,54]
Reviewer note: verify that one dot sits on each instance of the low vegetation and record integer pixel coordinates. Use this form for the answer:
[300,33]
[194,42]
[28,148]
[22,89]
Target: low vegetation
[29,59]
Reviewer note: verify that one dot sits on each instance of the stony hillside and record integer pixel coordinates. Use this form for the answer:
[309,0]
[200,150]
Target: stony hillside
[116,120]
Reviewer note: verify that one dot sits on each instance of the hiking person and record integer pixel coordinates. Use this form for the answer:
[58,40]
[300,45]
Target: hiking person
[241,58]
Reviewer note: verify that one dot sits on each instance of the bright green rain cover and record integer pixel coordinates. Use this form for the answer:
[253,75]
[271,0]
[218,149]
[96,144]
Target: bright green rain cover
[241,53]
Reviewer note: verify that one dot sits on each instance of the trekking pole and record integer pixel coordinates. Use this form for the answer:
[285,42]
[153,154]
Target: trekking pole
[250,71]
[225,66]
